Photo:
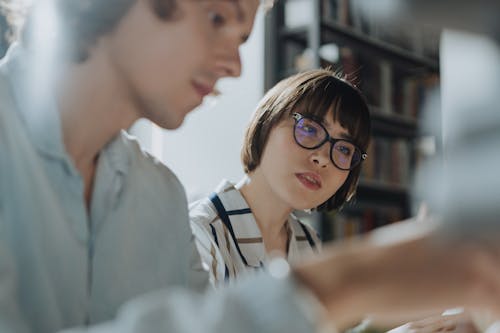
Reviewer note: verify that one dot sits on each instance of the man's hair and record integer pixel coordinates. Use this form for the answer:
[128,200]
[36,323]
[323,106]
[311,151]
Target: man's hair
[5,31]
[83,22]
[11,14]
[312,93]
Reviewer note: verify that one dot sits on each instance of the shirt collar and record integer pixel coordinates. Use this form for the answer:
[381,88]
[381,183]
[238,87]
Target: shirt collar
[36,105]
[245,227]
[233,201]
[38,111]
[117,154]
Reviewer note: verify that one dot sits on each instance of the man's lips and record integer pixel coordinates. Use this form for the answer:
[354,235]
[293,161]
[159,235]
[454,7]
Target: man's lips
[203,89]
[310,180]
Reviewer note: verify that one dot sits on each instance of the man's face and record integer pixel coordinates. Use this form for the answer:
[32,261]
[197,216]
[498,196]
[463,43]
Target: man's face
[167,67]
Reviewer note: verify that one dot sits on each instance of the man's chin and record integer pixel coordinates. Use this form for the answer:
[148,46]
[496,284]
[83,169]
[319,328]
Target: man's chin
[169,120]
[172,125]
[174,120]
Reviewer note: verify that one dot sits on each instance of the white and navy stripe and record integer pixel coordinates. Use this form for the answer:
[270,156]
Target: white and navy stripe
[229,240]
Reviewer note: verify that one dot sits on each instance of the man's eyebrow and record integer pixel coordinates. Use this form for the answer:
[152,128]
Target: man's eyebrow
[240,13]
[239,10]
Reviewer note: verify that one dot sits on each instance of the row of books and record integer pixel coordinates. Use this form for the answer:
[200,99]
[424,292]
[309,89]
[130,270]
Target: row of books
[385,87]
[389,161]
[348,225]
[410,93]
[389,62]
[391,90]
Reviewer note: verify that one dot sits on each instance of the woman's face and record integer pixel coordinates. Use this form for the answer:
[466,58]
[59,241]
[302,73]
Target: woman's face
[301,178]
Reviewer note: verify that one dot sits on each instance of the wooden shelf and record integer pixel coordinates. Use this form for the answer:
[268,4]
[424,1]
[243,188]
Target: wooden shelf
[382,193]
[394,128]
[335,33]
[296,35]
[392,125]
[377,48]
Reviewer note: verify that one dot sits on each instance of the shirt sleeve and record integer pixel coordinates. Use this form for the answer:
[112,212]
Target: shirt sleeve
[211,258]
[199,278]
[11,320]
[261,303]
[2,160]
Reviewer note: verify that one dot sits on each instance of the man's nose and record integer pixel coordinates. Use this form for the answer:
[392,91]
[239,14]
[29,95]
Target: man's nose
[228,63]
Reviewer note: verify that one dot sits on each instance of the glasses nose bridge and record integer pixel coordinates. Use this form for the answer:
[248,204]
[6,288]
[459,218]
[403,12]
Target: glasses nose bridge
[324,148]
[331,142]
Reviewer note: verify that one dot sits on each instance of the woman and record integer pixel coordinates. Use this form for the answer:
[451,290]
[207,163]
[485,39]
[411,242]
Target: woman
[302,150]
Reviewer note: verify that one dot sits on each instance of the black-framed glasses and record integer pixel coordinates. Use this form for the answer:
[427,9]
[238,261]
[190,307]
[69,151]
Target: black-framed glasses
[310,134]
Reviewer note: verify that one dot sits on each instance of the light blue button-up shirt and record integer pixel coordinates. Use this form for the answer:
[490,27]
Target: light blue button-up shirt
[79,265]
[63,266]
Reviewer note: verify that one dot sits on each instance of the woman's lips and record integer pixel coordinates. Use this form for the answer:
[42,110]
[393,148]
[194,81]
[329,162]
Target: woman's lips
[311,181]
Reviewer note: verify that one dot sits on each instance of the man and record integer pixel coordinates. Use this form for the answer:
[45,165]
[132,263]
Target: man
[88,221]
[114,221]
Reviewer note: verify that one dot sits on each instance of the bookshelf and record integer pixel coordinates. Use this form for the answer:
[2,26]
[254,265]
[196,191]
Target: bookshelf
[396,67]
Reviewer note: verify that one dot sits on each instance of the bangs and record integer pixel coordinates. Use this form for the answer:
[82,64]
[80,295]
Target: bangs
[348,105]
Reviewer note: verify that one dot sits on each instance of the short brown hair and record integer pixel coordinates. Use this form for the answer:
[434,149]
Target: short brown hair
[314,92]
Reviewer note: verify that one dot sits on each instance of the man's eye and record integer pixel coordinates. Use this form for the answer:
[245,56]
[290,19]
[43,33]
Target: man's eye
[217,19]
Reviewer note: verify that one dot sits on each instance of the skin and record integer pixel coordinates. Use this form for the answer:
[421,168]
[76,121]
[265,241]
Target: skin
[401,272]
[440,323]
[131,73]
[146,67]
[276,187]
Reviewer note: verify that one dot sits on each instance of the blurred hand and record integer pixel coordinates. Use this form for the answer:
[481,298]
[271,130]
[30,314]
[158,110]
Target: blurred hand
[403,272]
[457,323]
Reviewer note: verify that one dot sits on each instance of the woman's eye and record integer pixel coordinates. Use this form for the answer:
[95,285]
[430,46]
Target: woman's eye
[217,19]
[344,150]
[309,129]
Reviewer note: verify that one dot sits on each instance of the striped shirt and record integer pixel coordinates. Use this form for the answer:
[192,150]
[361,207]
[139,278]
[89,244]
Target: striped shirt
[229,239]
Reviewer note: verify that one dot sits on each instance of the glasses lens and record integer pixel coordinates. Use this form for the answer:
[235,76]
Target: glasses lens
[345,155]
[308,133]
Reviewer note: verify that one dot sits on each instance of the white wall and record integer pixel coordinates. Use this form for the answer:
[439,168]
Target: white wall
[206,148]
